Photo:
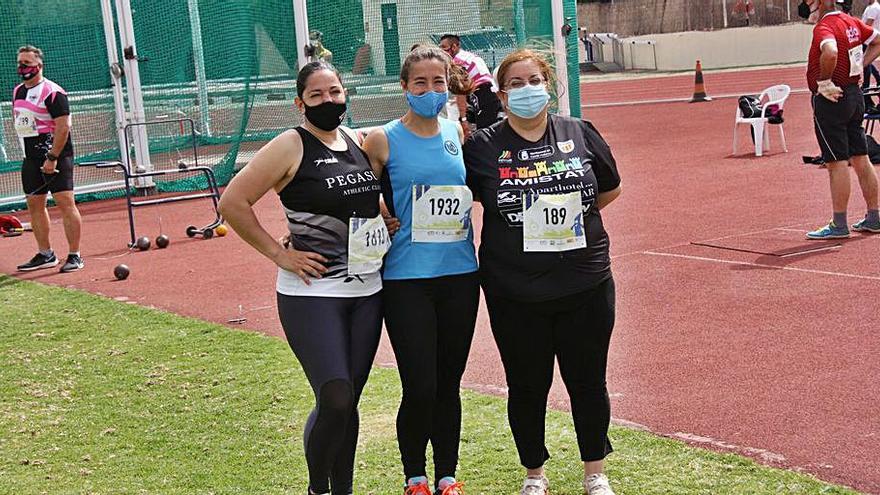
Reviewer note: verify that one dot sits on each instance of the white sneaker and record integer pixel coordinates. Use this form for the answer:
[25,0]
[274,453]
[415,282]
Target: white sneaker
[597,484]
[535,486]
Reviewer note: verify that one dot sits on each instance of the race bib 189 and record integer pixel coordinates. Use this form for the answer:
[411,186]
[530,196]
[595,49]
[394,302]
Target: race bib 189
[368,241]
[553,222]
[441,213]
[25,124]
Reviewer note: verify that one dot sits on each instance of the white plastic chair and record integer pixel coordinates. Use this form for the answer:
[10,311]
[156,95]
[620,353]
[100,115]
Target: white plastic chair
[774,95]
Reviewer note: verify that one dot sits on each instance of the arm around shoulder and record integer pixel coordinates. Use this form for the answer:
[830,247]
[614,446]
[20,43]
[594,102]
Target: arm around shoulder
[376,147]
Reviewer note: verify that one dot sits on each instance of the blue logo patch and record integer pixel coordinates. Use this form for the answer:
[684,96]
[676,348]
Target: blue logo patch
[451,147]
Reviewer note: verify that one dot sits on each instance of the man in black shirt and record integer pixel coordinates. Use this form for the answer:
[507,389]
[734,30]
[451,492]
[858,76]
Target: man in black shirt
[41,115]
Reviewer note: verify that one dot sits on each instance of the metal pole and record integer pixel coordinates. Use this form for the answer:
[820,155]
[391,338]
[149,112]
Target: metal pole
[113,60]
[519,23]
[301,26]
[788,9]
[195,24]
[559,50]
[135,95]
[3,156]
[724,8]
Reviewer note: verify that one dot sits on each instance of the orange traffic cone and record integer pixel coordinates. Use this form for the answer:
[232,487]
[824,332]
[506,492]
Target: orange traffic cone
[699,87]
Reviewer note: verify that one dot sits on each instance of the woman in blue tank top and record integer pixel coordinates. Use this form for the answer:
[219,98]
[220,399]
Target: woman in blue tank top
[430,286]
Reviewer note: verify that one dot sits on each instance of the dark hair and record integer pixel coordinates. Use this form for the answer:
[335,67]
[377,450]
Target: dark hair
[32,49]
[453,37]
[423,52]
[310,68]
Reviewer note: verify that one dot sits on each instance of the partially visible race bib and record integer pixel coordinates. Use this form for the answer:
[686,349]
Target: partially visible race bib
[553,222]
[855,61]
[441,213]
[368,241]
[25,123]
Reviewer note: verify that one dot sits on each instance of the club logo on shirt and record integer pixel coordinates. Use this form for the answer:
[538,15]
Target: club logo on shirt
[451,147]
[505,157]
[566,146]
[326,161]
[852,34]
[532,154]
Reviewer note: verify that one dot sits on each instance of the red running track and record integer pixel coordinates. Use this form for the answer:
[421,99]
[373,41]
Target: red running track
[771,357]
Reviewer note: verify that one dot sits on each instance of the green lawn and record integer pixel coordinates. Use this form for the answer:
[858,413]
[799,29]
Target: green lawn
[98,396]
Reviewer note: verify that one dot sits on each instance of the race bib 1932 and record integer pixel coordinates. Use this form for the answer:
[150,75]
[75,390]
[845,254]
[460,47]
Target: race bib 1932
[553,222]
[441,213]
[368,241]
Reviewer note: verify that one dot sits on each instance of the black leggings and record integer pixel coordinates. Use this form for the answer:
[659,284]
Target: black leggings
[335,341]
[574,329]
[431,324]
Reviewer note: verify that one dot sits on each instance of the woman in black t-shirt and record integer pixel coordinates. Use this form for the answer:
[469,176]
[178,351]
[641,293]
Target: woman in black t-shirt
[544,263]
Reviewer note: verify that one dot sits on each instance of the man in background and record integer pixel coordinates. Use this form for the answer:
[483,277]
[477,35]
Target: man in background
[485,103]
[41,117]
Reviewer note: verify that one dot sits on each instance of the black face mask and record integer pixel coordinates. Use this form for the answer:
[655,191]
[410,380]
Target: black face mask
[27,72]
[326,116]
[804,10]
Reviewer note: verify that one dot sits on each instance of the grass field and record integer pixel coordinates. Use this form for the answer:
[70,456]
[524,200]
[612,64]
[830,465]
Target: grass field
[98,396]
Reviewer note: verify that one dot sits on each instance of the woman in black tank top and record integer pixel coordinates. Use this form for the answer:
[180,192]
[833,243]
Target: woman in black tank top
[329,305]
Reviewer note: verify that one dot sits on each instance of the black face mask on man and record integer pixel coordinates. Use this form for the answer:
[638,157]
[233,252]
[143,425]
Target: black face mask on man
[804,10]
[326,116]
[27,72]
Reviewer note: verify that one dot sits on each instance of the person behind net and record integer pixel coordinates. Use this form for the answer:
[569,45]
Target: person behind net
[318,51]
[431,290]
[834,67]
[41,117]
[544,264]
[484,100]
[328,285]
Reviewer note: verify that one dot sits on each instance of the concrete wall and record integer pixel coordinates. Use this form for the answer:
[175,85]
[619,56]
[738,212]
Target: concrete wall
[736,47]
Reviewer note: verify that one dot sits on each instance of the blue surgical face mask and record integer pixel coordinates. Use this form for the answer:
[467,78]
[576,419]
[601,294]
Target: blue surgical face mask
[428,104]
[528,101]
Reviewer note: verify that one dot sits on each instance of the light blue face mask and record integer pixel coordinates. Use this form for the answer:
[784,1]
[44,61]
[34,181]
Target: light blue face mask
[528,101]
[428,104]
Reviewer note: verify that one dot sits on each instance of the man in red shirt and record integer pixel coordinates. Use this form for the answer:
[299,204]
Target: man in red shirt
[833,71]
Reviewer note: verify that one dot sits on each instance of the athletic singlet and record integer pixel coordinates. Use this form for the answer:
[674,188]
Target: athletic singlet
[329,188]
[33,113]
[414,161]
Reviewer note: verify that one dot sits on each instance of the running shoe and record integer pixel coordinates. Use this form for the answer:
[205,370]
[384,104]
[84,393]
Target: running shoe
[597,484]
[535,486]
[865,226]
[829,231]
[417,486]
[448,486]
[74,262]
[39,261]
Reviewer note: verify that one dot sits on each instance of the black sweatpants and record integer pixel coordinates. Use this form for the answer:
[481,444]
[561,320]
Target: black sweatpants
[335,340]
[431,324]
[575,330]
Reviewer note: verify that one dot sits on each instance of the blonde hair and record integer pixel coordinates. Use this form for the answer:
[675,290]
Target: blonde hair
[460,83]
